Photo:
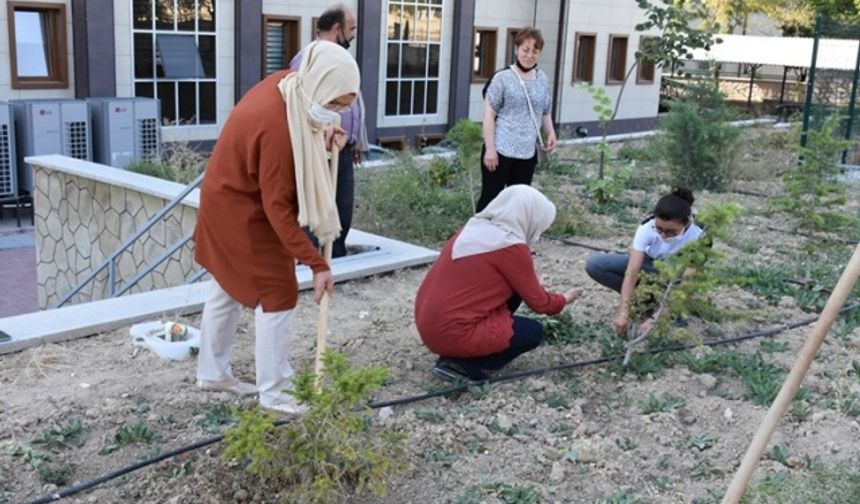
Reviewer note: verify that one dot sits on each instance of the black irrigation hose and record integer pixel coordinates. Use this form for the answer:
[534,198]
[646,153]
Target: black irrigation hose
[406,400]
[577,244]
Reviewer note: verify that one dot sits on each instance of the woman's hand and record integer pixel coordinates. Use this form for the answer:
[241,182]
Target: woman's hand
[491,159]
[323,283]
[572,295]
[551,142]
[620,323]
[335,135]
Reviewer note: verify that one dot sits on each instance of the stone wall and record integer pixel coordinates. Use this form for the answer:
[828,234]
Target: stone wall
[81,220]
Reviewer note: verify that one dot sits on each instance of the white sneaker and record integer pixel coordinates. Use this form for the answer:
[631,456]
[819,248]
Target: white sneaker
[286,404]
[233,386]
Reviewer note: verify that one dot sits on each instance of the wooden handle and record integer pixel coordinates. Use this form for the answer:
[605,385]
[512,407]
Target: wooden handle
[792,383]
[322,326]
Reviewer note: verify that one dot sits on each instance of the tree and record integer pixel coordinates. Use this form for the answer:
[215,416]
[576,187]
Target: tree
[727,15]
[674,19]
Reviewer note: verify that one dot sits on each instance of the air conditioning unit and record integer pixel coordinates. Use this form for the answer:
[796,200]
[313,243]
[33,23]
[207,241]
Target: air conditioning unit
[51,126]
[125,130]
[8,161]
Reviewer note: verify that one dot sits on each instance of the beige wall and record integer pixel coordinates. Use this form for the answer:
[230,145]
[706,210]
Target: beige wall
[6,91]
[603,17]
[306,10]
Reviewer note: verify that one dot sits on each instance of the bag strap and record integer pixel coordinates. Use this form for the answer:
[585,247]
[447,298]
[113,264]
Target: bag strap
[531,109]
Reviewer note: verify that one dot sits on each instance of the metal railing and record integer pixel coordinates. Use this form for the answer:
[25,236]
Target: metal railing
[115,290]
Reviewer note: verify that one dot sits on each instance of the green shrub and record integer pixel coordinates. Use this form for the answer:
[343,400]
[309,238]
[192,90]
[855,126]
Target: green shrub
[331,453]
[814,195]
[696,140]
[178,163]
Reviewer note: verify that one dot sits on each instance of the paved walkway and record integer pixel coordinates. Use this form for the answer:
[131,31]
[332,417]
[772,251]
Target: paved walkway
[17,268]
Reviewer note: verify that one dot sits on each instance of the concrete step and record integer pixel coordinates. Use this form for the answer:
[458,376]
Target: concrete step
[85,319]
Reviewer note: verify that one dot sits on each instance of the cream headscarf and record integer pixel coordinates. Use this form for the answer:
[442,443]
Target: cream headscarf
[327,72]
[519,214]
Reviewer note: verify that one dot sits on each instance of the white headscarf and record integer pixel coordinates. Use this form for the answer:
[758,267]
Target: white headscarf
[519,214]
[327,72]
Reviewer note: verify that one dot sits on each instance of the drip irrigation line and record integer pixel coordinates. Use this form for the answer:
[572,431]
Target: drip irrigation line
[450,390]
[750,193]
[577,244]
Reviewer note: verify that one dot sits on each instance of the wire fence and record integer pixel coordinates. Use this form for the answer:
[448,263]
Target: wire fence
[832,86]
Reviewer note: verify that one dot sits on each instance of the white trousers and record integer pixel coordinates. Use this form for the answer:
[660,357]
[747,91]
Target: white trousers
[221,315]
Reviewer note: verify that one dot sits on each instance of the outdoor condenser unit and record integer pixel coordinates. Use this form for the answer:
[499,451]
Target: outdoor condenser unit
[8,161]
[125,130]
[51,126]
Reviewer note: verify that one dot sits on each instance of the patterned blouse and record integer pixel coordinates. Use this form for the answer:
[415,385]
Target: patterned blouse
[515,132]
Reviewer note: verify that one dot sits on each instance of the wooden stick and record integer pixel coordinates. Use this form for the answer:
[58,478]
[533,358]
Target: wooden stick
[792,383]
[322,326]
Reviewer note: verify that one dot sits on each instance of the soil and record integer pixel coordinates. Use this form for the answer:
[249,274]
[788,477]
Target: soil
[560,437]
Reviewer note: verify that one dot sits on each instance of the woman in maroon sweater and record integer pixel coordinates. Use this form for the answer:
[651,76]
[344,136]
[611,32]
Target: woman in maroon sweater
[464,308]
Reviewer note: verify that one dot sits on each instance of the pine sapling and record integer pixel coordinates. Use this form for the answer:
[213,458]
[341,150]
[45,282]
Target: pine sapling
[332,452]
[683,282]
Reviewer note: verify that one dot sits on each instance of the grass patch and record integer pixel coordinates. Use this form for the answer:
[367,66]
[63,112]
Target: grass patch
[822,485]
[405,201]
[126,435]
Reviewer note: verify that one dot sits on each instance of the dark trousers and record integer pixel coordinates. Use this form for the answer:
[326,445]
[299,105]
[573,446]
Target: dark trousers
[510,171]
[608,269]
[344,199]
[528,334]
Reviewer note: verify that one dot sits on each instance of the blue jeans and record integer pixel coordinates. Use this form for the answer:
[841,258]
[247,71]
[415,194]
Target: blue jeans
[608,268]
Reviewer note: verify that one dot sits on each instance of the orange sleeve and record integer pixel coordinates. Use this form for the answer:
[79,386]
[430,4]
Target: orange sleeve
[280,203]
[517,267]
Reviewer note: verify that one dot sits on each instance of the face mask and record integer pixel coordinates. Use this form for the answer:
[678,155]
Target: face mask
[672,239]
[345,42]
[322,115]
[524,69]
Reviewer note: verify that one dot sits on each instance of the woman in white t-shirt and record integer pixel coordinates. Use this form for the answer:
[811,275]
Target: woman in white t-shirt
[660,236]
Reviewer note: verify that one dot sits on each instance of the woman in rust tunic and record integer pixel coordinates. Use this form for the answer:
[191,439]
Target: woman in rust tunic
[464,310]
[249,228]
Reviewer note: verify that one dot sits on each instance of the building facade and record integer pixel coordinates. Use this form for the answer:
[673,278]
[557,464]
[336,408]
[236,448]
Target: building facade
[423,62]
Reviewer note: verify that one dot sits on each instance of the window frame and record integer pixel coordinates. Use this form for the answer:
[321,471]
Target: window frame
[489,54]
[427,80]
[577,37]
[56,43]
[510,49]
[653,67]
[153,31]
[294,41]
[609,63]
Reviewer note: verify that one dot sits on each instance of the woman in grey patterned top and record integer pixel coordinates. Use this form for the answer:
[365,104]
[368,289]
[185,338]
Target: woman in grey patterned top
[509,155]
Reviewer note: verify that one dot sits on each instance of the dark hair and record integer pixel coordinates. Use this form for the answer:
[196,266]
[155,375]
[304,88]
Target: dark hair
[330,17]
[529,33]
[675,206]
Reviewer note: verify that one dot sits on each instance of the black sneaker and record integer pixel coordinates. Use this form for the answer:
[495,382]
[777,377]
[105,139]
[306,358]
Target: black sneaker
[448,370]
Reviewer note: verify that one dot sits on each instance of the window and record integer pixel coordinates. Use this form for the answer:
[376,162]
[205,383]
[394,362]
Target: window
[413,45]
[617,59]
[510,48]
[645,72]
[175,58]
[280,42]
[484,57]
[314,29]
[37,45]
[583,57]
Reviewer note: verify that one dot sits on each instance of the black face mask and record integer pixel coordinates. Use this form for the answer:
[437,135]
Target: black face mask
[345,42]
[524,69]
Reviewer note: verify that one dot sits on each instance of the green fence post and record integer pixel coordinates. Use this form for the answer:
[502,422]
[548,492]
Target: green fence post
[851,105]
[810,84]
